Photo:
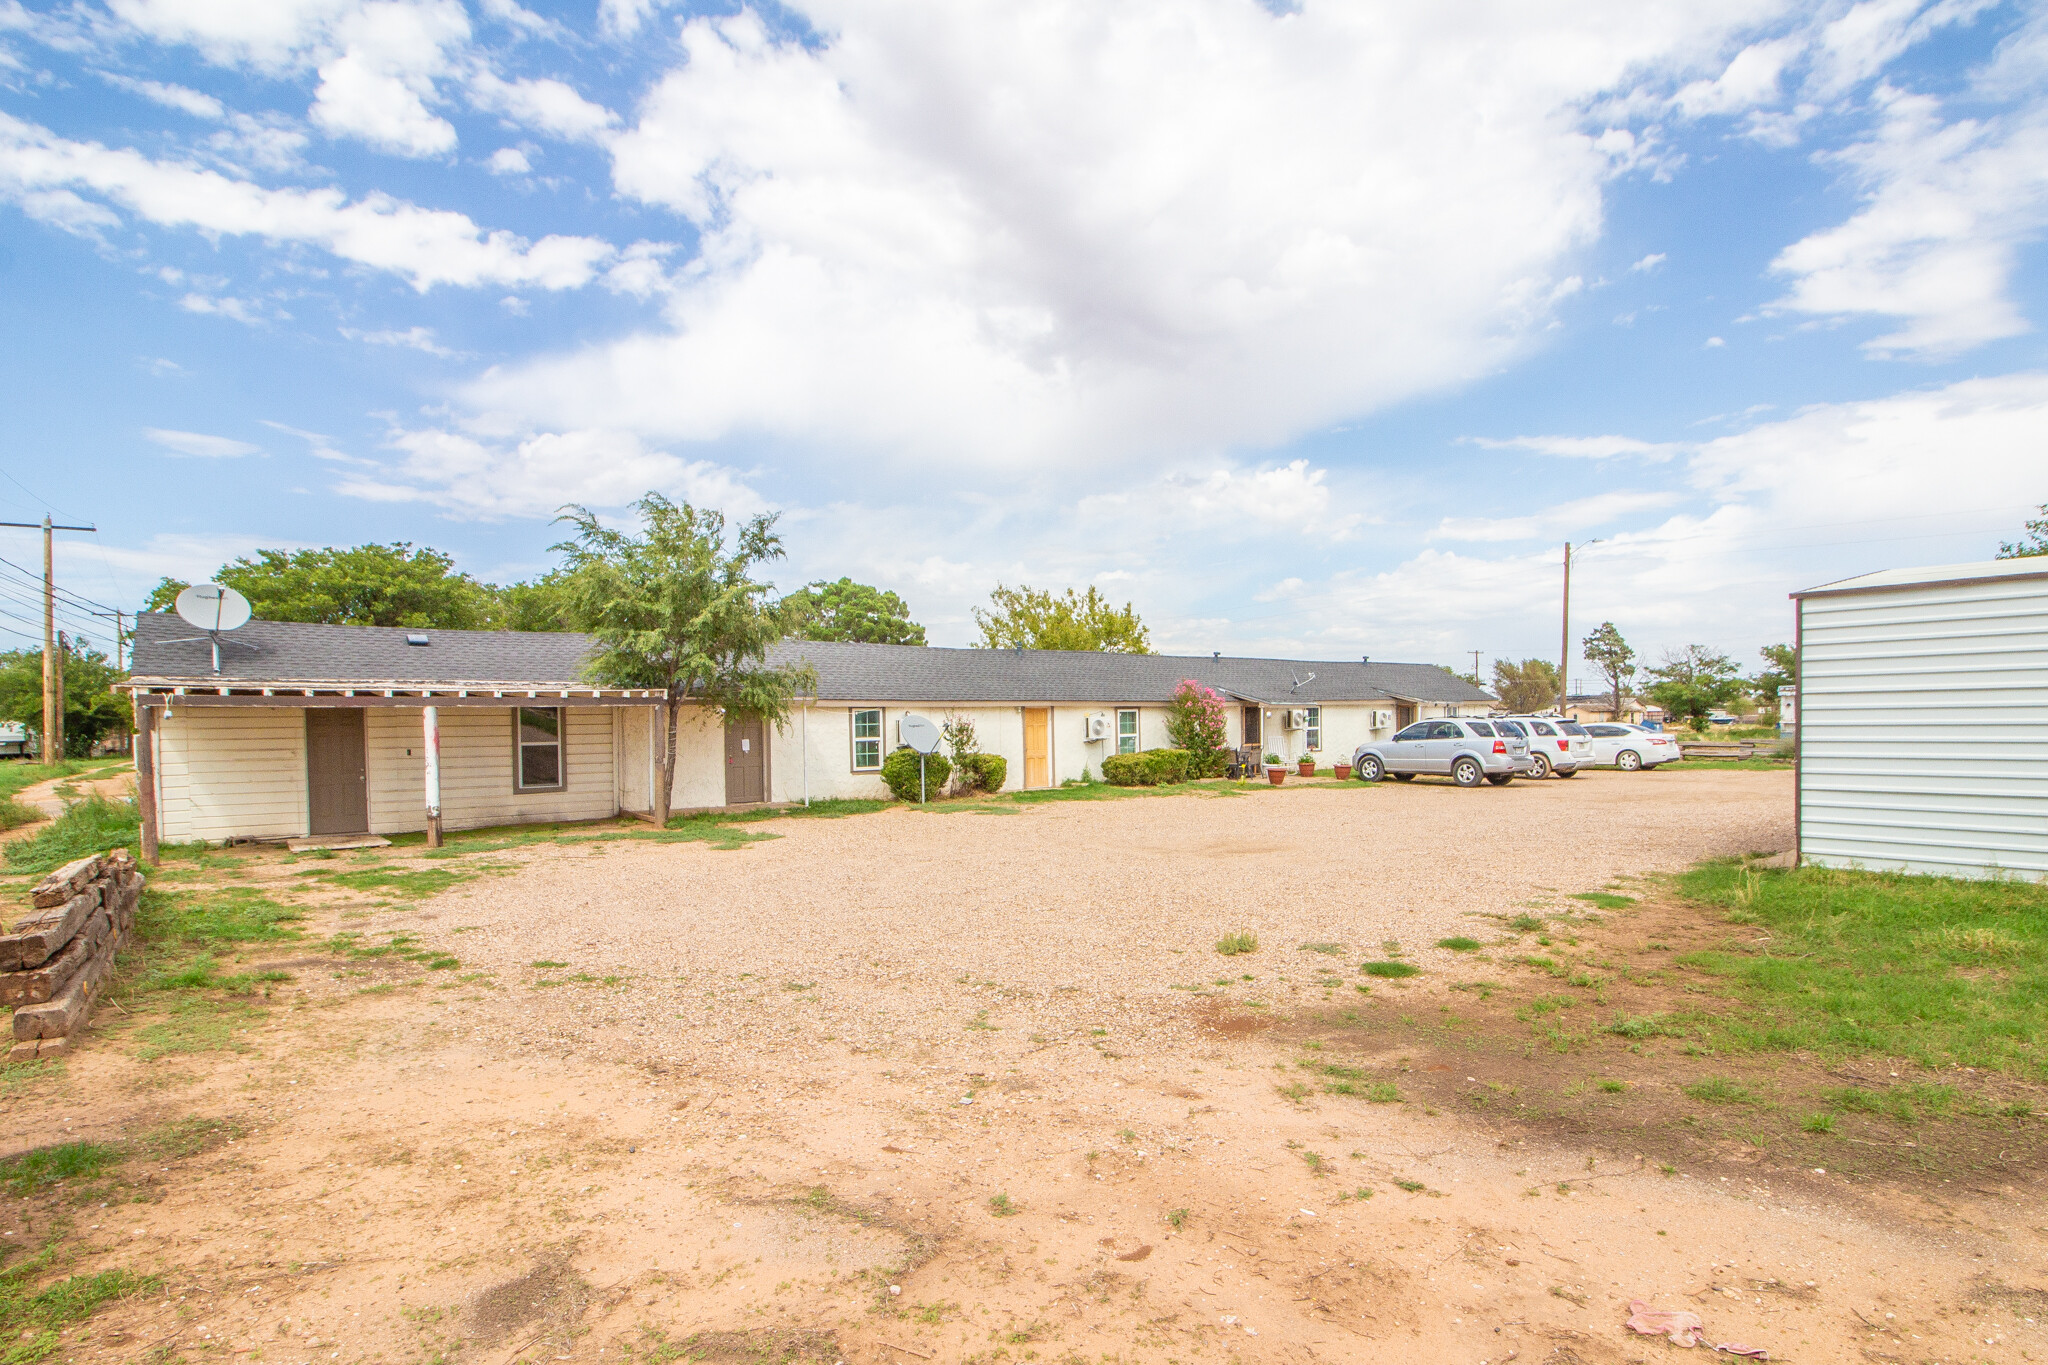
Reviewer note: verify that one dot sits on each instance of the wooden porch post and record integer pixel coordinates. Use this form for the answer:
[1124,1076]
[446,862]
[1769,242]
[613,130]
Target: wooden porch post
[431,722]
[145,777]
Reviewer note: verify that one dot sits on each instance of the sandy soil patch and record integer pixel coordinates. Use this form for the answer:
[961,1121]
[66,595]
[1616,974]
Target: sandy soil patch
[971,1087]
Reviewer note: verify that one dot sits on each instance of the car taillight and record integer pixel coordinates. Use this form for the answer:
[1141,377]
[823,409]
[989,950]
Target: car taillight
[1564,746]
[1500,746]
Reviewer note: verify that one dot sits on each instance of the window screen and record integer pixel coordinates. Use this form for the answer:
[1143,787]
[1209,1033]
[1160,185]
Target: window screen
[1127,732]
[867,740]
[540,748]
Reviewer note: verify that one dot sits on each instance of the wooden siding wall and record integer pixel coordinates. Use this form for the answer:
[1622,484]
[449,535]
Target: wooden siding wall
[227,773]
[476,770]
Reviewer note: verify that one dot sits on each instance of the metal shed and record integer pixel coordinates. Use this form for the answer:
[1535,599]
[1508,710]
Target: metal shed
[1923,735]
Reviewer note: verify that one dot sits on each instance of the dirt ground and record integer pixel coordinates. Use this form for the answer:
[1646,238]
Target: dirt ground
[970,1087]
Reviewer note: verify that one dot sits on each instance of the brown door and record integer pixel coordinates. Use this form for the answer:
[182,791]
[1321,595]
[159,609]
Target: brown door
[746,763]
[337,789]
[1251,727]
[1404,715]
[1037,747]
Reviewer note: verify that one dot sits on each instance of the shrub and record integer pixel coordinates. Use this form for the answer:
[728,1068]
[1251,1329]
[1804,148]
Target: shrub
[1147,769]
[1234,945]
[983,772]
[1195,720]
[899,771]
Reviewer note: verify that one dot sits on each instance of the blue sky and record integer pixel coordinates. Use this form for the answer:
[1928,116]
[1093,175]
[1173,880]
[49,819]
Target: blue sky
[1312,330]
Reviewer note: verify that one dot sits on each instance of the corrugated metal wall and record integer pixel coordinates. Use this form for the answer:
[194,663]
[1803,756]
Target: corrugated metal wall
[1924,729]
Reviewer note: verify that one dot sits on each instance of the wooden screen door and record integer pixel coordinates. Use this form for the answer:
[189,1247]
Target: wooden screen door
[337,789]
[1037,747]
[746,763]
[1252,737]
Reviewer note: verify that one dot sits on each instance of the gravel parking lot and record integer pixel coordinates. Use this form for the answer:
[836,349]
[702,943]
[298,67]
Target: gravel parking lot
[1118,904]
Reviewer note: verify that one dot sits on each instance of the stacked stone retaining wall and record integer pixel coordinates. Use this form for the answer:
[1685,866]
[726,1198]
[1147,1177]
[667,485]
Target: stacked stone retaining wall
[56,960]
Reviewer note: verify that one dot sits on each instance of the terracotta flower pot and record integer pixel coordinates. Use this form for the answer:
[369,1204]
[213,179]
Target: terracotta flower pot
[1308,767]
[1276,774]
[1343,771]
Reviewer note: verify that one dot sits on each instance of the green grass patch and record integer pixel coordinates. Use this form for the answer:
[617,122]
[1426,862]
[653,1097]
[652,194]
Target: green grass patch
[1721,1090]
[1236,945]
[31,1320]
[1945,971]
[1458,943]
[17,777]
[1526,924]
[1606,900]
[93,825]
[32,1172]
[13,814]
[1392,971]
[194,1024]
[1326,949]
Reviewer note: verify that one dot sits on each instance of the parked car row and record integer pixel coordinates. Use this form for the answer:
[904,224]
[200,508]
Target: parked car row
[1499,749]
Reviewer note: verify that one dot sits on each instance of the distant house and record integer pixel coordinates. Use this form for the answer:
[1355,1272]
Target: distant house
[1600,706]
[1923,720]
[315,730]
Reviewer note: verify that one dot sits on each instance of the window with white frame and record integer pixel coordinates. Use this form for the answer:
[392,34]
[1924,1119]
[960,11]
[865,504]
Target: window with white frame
[1127,732]
[1315,728]
[867,741]
[537,737]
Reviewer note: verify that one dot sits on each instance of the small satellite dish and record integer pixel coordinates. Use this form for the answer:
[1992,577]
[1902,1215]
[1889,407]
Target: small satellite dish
[919,733]
[213,606]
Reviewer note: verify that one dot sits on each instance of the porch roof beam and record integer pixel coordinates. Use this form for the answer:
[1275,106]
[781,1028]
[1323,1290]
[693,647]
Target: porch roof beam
[181,701]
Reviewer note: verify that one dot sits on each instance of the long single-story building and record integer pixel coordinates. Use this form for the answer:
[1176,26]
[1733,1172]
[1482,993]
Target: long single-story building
[310,730]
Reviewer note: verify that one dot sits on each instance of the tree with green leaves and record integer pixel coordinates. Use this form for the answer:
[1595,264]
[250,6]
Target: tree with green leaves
[1693,682]
[1616,660]
[92,709]
[1525,687]
[2036,542]
[363,585]
[677,609]
[1032,618]
[1782,671]
[847,610]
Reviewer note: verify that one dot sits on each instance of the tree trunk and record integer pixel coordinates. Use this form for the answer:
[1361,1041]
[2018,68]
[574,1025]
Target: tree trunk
[671,710]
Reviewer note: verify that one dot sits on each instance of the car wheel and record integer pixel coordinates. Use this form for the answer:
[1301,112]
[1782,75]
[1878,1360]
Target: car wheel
[1369,768]
[1542,768]
[1628,760]
[1466,772]
[1404,777]
[1501,780]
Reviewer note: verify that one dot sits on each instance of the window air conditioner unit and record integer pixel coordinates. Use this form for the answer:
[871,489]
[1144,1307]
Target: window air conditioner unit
[1095,726]
[1297,719]
[1383,720]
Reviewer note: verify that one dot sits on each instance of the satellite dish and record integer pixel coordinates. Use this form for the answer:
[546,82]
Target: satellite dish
[919,733]
[212,607]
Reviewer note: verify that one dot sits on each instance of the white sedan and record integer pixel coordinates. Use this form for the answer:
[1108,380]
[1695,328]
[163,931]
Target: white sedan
[1629,747]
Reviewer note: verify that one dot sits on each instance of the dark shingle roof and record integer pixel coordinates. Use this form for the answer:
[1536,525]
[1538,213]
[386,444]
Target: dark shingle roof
[289,651]
[282,651]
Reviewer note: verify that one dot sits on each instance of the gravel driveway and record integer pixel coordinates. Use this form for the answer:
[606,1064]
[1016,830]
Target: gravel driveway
[900,925]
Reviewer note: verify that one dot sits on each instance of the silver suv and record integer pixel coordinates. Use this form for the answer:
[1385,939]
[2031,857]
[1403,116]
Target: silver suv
[1556,745]
[1466,751]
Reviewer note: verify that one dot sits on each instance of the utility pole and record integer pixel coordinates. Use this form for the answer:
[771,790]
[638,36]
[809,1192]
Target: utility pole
[53,705]
[1564,644]
[1475,665]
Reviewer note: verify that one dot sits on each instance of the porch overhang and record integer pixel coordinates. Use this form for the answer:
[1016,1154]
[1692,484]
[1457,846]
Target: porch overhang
[172,693]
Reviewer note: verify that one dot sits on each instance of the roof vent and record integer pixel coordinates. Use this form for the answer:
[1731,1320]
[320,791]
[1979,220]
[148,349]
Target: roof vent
[1217,656]
[417,640]
[1365,658]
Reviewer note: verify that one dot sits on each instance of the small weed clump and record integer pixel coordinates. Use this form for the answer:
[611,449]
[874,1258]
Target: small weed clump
[31,1172]
[1459,943]
[1002,1206]
[1236,945]
[1606,900]
[1392,971]
[1721,1090]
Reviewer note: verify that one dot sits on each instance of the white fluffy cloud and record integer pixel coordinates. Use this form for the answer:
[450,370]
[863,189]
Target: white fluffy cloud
[199,445]
[488,475]
[425,247]
[1947,204]
[1014,232]
[1580,447]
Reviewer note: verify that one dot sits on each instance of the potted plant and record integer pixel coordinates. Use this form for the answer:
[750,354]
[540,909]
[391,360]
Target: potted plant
[1307,764]
[1342,770]
[1274,772]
